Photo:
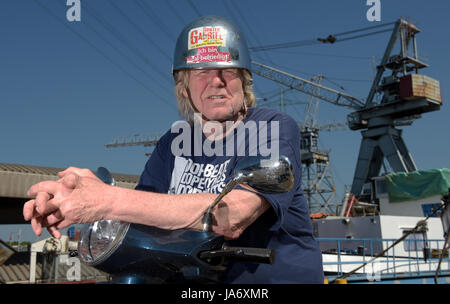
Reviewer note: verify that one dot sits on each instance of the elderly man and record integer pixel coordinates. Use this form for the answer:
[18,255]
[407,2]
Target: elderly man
[213,87]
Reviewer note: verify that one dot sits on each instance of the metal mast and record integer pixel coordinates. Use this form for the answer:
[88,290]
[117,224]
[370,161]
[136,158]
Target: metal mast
[317,178]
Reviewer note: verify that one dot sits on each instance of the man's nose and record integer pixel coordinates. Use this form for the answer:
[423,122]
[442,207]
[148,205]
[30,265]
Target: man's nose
[216,78]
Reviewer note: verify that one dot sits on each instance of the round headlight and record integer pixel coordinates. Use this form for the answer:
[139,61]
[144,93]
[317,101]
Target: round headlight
[100,239]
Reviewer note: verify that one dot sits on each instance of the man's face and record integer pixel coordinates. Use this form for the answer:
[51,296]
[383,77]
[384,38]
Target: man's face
[217,93]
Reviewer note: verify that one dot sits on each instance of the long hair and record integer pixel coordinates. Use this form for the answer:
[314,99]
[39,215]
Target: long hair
[184,105]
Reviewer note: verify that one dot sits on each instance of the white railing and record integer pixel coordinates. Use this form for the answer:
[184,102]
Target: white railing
[410,258]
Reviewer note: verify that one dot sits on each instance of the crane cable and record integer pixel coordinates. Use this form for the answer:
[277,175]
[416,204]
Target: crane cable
[330,39]
[141,31]
[146,8]
[44,7]
[126,42]
[194,8]
[446,243]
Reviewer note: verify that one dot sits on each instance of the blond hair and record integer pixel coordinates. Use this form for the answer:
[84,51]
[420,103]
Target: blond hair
[184,104]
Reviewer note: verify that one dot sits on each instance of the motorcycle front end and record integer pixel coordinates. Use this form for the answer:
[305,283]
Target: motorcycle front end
[139,254]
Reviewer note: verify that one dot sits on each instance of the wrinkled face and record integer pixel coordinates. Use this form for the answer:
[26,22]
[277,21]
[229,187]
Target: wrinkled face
[216,93]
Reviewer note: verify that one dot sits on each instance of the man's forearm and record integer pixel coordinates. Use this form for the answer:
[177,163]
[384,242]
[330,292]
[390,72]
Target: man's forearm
[166,211]
[231,216]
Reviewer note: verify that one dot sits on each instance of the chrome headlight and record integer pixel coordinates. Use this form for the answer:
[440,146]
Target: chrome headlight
[99,240]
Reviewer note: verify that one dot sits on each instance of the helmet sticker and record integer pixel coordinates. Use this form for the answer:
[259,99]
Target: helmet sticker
[206,36]
[208,54]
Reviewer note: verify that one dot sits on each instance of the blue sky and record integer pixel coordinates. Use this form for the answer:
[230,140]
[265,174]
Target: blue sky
[68,88]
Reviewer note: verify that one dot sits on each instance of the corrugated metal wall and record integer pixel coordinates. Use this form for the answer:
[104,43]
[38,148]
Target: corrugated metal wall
[15,180]
[16,184]
[20,273]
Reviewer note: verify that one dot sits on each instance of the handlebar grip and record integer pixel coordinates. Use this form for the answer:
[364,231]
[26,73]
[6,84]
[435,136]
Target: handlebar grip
[257,255]
[243,254]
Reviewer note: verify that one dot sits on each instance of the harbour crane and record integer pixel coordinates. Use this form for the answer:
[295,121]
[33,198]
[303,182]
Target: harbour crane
[404,97]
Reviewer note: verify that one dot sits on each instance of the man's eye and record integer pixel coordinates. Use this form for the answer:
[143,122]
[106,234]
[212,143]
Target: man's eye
[229,73]
[196,73]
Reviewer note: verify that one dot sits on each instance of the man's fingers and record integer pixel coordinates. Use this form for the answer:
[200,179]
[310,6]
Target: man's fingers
[54,231]
[28,209]
[70,180]
[51,187]
[38,222]
[63,224]
[36,225]
[52,219]
[29,213]
[50,222]
[61,174]
[45,204]
[78,171]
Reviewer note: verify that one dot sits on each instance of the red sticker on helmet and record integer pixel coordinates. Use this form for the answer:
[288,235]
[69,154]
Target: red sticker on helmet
[208,54]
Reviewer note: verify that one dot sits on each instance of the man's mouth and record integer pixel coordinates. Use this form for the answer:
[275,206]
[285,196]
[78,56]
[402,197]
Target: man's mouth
[217,97]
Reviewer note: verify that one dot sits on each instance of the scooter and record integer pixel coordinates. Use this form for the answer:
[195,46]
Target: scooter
[139,254]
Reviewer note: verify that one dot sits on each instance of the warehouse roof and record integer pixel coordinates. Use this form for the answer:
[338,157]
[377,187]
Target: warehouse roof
[20,273]
[16,179]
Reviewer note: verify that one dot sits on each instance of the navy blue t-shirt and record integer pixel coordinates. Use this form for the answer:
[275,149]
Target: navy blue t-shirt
[184,161]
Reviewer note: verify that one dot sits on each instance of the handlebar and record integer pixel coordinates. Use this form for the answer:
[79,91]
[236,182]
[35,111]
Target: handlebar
[241,254]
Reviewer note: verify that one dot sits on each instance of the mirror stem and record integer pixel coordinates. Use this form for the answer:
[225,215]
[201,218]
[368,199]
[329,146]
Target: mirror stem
[207,217]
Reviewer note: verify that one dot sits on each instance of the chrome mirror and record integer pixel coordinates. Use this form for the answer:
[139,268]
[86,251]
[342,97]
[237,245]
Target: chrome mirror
[105,176]
[262,174]
[266,175]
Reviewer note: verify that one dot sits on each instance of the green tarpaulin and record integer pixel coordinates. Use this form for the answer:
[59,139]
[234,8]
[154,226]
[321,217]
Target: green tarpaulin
[416,185]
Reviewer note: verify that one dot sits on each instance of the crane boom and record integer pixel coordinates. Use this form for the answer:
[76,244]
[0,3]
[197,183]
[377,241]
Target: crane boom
[146,140]
[307,86]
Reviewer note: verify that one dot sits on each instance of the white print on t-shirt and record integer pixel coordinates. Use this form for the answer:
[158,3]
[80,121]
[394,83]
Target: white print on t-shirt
[190,177]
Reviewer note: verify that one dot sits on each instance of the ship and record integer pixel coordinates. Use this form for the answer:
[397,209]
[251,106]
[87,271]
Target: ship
[395,232]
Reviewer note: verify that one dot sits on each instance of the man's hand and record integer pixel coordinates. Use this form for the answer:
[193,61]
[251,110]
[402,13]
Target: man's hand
[76,197]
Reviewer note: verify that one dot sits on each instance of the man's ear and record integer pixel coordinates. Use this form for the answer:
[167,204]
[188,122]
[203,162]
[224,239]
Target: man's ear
[185,93]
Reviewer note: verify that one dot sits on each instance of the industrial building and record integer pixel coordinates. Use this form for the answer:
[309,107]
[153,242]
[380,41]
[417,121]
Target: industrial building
[15,267]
